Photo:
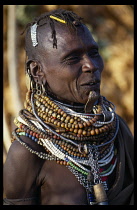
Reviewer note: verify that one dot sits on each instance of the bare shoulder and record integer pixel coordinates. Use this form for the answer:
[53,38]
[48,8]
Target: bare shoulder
[21,169]
[24,153]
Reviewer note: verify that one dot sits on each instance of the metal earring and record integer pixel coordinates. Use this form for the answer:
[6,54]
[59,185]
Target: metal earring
[43,89]
[29,82]
[38,88]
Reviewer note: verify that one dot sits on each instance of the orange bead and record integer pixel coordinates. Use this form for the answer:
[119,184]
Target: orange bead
[97,131]
[76,126]
[62,125]
[62,112]
[80,125]
[84,133]
[69,125]
[59,111]
[44,116]
[75,130]
[71,120]
[79,131]
[65,115]
[62,119]
[55,122]
[100,130]
[37,136]
[92,132]
[58,124]
[72,125]
[88,123]
[85,124]
[68,118]
[31,133]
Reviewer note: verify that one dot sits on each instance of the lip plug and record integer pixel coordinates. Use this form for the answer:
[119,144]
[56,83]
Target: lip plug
[93,96]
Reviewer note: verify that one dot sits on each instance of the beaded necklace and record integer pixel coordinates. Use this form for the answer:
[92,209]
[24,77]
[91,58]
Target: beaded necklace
[83,142]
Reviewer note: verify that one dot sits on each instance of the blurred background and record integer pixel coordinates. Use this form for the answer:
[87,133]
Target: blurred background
[112,27]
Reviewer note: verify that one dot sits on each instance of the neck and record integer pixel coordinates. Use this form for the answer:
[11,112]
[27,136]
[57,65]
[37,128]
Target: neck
[78,107]
[72,105]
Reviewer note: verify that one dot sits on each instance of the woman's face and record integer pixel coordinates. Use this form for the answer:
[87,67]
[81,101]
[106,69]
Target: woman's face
[74,68]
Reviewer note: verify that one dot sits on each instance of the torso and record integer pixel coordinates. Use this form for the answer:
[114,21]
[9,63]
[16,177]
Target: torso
[59,186]
[53,183]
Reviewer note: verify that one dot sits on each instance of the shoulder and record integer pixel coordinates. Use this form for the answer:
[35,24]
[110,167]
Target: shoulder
[125,137]
[21,168]
[25,151]
[123,127]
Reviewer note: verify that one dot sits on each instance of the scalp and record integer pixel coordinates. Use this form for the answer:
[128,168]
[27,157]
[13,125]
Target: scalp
[46,26]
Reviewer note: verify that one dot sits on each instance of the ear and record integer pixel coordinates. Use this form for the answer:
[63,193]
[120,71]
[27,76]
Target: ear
[36,71]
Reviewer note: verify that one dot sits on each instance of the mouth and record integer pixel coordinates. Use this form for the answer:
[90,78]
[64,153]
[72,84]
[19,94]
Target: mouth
[91,83]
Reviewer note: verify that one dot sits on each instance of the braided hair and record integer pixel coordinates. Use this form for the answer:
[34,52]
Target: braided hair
[71,19]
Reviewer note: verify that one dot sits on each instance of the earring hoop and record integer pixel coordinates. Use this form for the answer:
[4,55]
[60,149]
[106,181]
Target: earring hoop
[28,80]
[38,88]
[43,88]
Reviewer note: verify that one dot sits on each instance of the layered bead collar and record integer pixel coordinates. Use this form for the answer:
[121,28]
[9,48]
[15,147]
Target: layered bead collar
[82,142]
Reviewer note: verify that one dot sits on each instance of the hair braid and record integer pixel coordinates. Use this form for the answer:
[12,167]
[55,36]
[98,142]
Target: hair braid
[72,21]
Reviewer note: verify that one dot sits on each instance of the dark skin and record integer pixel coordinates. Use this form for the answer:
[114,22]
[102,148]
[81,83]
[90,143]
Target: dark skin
[73,65]
[71,71]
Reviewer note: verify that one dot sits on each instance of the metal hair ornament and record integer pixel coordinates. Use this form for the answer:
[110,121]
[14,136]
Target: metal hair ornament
[58,19]
[33,35]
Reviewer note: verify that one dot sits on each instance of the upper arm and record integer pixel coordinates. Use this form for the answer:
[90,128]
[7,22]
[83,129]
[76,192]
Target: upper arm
[20,172]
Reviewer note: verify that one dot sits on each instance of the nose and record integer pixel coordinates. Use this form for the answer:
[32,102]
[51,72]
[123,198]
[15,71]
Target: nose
[89,64]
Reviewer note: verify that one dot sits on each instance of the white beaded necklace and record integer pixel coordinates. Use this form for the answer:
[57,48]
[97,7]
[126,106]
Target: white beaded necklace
[55,151]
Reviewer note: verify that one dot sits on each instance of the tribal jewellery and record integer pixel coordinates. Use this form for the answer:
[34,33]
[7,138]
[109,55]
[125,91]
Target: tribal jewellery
[84,142]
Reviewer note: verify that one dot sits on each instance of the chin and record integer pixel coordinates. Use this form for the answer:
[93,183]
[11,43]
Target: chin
[94,96]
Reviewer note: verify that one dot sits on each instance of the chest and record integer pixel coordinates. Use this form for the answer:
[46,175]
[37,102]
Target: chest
[60,187]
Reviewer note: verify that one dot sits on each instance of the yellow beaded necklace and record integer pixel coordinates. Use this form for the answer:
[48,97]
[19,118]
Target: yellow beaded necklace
[67,124]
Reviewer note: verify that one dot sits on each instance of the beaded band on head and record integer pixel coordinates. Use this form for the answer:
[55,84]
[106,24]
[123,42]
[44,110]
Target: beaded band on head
[34,35]
[34,30]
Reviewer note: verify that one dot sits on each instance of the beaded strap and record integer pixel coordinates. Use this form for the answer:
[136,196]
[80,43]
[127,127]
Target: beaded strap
[39,154]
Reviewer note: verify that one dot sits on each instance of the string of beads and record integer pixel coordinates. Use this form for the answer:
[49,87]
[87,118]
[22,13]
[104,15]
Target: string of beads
[71,127]
[66,134]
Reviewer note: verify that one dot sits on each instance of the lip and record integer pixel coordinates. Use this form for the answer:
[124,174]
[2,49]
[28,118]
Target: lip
[91,83]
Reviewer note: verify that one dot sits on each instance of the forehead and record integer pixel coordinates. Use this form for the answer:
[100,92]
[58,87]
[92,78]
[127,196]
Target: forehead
[68,40]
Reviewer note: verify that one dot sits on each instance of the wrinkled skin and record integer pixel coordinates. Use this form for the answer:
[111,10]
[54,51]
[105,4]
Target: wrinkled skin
[70,69]
[71,72]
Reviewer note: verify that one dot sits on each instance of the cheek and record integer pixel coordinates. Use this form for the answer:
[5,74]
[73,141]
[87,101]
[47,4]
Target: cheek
[60,79]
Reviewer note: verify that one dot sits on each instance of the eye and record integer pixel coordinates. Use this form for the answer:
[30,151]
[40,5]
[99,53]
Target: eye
[72,60]
[94,52]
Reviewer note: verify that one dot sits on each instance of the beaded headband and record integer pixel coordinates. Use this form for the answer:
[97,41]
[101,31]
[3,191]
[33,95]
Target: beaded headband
[34,30]
[34,35]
